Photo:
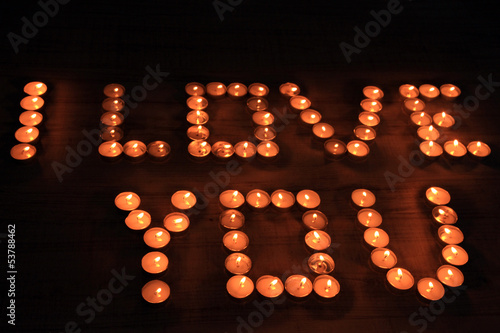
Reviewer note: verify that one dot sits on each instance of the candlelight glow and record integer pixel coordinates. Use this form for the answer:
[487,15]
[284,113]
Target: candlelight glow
[280,196]
[261,88]
[235,195]
[113,145]
[455,143]
[356,145]
[34,99]
[400,274]
[376,234]
[443,114]
[128,197]
[294,88]
[159,234]
[219,86]
[306,196]
[113,117]
[432,89]
[157,292]
[273,283]
[116,89]
[235,238]
[370,117]
[233,216]
[237,86]
[115,101]
[441,212]
[431,128]
[411,88]
[140,216]
[303,101]
[157,259]
[245,145]
[454,251]
[315,216]
[386,254]
[39,85]
[450,273]
[267,115]
[26,148]
[316,235]
[431,286]
[374,103]
[29,131]
[242,281]
[448,231]
[238,260]
[303,282]
[375,91]
[434,191]
[268,145]
[199,100]
[33,116]
[178,220]
[135,145]
[431,143]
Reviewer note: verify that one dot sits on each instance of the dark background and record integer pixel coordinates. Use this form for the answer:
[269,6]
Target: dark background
[70,236]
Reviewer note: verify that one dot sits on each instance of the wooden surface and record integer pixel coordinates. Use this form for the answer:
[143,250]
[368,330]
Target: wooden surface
[70,237]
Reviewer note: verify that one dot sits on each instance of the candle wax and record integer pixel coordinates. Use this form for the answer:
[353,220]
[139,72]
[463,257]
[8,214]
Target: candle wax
[238,263]
[155,291]
[298,285]
[176,222]
[369,217]
[314,219]
[183,199]
[156,238]
[269,286]
[239,286]
[430,289]
[326,286]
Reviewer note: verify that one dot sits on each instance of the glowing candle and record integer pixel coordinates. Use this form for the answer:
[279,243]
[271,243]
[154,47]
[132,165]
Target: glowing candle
[183,200]
[414,105]
[289,89]
[176,222]
[299,102]
[371,105]
[238,263]
[197,117]
[198,132]
[428,91]
[363,197]
[437,196]
[26,134]
[431,149]
[369,217]
[444,215]
[400,278]
[257,104]
[245,149]
[114,90]
[310,116]
[199,148]
[111,133]
[308,199]
[154,262]
[421,118]
[239,286]
[478,149]
[282,199]
[127,201]
[268,149]
[450,234]
[321,263]
[113,104]
[155,291]
[326,286]
[430,289]
[235,240]
[408,91]
[455,255]
[443,120]
[112,119]
[258,199]
[450,276]
[314,219]
[335,148]
[195,89]
[298,285]
[222,149]
[264,133]
[450,91]
[237,90]
[376,237]
[158,149]
[269,286]
[110,149]
[134,148]
[373,92]
[156,238]
[428,133]
[138,219]
[22,151]
[231,199]
[318,240]
[35,88]
[32,103]
[30,118]
[197,102]
[358,149]
[232,219]
[258,89]
[365,133]
[383,258]
[263,118]
[455,148]
[369,118]
[216,89]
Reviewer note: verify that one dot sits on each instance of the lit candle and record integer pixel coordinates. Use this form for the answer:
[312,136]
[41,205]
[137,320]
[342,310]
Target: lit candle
[450,234]
[335,148]
[155,291]
[127,201]
[232,219]
[176,222]
[289,89]
[111,133]
[198,132]
[158,149]
[299,102]
[32,103]
[450,91]
[282,199]
[238,263]
[245,149]
[414,105]
[400,278]
[30,118]
[239,286]
[138,219]
[369,217]
[197,102]
[444,215]
[154,262]
[263,118]
[365,133]
[428,133]
[183,200]
[450,276]
[199,148]
[326,286]
[314,219]
[231,199]
[408,91]
[269,286]
[22,151]
[197,117]
[437,196]
[264,133]
[431,149]
[455,148]
[383,258]
[258,89]
[235,240]
[478,149]
[443,120]
[298,285]
[371,105]
[113,104]
[376,237]
[114,90]
[194,89]
[373,92]
[321,263]
[112,118]
[222,149]
[26,134]
[216,89]
[421,118]
[308,199]
[358,148]
[134,148]
[257,104]
[35,88]
[428,91]
[156,238]
[455,255]
[369,118]
[310,116]
[237,90]
[318,240]
[430,289]
[258,199]
[363,197]
[110,149]
[268,149]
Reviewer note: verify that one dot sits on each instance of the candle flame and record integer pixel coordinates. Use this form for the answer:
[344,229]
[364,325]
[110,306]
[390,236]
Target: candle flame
[370,117]
[431,128]
[157,292]
[179,220]
[261,88]
[113,145]
[245,145]
[159,234]
[450,273]
[235,195]
[336,145]
[432,89]
[157,259]
[280,196]
[128,197]
[416,102]
[204,143]
[323,128]
[258,195]
[242,281]
[447,231]
[455,143]
[116,89]
[26,148]
[39,85]
[273,283]
[431,144]
[233,216]
[195,88]
[321,258]
[115,101]
[375,91]
[400,273]
[294,88]
[329,283]
[268,145]
[33,116]
[112,131]
[411,88]
[478,144]
[34,99]
[431,285]
[29,131]
[386,254]
[454,251]
[370,214]
[313,116]
[160,145]
[113,117]
[316,235]
[376,234]
[235,238]
[303,282]
[219,86]
[140,216]
[259,101]
[356,145]
[267,115]
[315,216]
[237,86]
[306,196]
[199,100]
[374,103]
[434,191]
[135,145]
[452,88]
[303,101]
[441,212]
[238,260]
[443,114]
[266,129]
[367,131]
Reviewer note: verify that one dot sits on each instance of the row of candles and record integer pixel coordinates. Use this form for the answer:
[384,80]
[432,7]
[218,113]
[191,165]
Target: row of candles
[28,134]
[399,278]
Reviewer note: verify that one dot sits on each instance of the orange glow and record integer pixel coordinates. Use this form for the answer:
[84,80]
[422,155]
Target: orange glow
[238,260]
[242,281]
[386,254]
[454,251]
[434,191]
[235,238]
[302,282]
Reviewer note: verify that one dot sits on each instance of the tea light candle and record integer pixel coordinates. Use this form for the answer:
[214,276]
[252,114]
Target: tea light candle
[369,118]
[455,148]
[237,90]
[222,149]
[111,133]
[373,92]
[238,263]
[269,286]
[428,133]
[258,199]
[134,148]
[310,116]
[308,199]
[154,262]
[231,199]
[235,240]
[400,278]
[430,289]
[444,215]
[194,89]
[299,102]
[113,104]
[239,286]
[198,132]
[298,286]
[369,217]
[318,240]
[245,149]
[321,263]
[110,149]
[363,198]
[478,149]
[264,133]
[26,134]
[138,219]
[263,118]
[112,119]
[155,291]
[371,105]
[450,276]
[176,222]
[314,219]
[358,148]
[450,234]
[31,103]
[428,91]
[35,88]
[289,89]
[365,133]
[326,286]
[414,105]
[450,91]
[335,148]
[258,89]
[199,148]
[216,89]
[431,149]
[443,120]
[30,118]
[158,149]
[282,199]
[438,196]
[114,90]
[197,102]
[268,149]
[257,104]
[127,201]
[408,91]
[232,219]
[376,237]
[183,200]
[455,255]
[421,118]
[156,238]
[383,258]
[197,117]
[22,151]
